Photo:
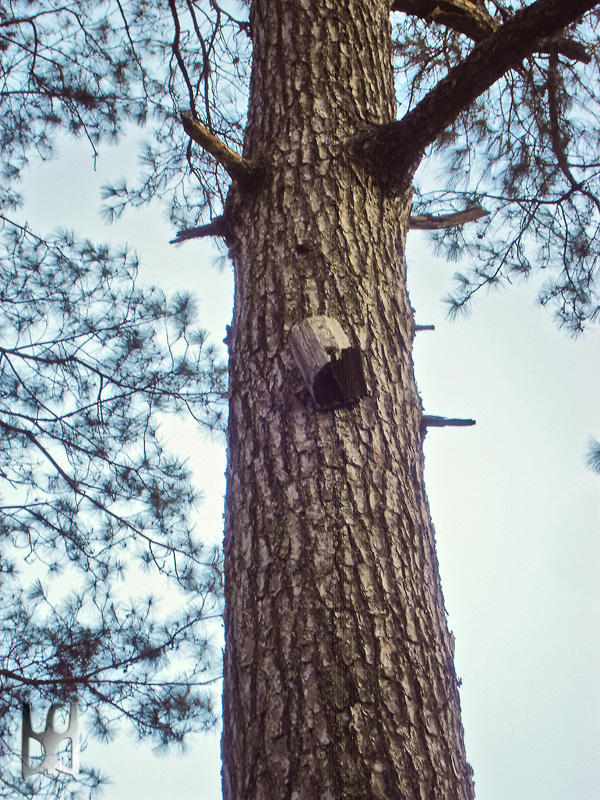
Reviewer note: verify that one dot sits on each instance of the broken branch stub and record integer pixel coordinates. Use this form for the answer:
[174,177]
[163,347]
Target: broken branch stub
[330,365]
[430,421]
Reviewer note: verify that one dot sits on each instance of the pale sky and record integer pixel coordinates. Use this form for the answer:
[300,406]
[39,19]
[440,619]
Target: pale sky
[516,512]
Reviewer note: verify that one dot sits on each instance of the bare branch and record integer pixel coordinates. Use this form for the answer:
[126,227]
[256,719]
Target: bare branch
[214,228]
[463,16]
[430,222]
[429,421]
[239,168]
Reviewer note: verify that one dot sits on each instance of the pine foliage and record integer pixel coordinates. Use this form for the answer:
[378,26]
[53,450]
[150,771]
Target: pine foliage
[527,151]
[107,591]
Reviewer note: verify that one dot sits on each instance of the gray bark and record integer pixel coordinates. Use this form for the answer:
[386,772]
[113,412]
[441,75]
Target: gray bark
[338,672]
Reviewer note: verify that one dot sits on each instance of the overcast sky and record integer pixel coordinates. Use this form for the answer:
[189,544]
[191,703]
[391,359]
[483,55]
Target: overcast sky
[517,514]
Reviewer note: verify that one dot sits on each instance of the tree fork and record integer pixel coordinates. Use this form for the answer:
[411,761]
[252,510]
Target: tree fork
[403,143]
[472,20]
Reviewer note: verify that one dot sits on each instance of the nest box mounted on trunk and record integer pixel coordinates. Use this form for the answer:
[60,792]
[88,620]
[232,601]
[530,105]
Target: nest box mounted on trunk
[331,367]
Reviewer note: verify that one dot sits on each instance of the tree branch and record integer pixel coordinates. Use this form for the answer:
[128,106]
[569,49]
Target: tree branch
[429,421]
[473,20]
[239,168]
[214,228]
[423,222]
[463,16]
[393,151]
[430,222]
[85,680]
[76,485]
[556,137]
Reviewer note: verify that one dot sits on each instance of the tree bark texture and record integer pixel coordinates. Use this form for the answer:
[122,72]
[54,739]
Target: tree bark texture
[338,672]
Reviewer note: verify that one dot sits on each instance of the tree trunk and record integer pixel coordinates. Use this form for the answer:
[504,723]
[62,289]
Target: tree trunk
[338,675]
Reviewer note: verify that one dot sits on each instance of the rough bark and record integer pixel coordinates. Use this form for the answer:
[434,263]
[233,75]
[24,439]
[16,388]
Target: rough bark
[338,668]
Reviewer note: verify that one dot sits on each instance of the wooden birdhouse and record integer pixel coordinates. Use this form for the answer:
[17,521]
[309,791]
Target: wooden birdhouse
[330,365]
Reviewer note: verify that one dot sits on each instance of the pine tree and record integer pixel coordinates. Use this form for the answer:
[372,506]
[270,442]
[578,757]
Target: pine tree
[338,669]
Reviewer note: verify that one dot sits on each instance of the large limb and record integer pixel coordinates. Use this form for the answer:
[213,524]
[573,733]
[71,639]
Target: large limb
[463,16]
[471,18]
[393,151]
